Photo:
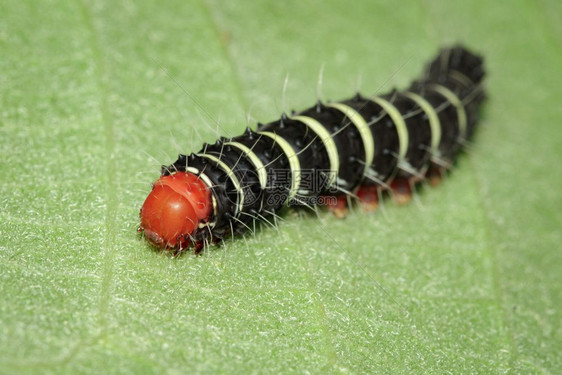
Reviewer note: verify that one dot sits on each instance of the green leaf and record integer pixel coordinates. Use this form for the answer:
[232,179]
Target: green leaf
[95,95]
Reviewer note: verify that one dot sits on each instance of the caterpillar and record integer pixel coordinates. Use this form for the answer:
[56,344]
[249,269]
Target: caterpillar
[360,146]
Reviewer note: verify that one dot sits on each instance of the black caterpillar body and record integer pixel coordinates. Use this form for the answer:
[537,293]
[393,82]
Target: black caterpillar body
[339,146]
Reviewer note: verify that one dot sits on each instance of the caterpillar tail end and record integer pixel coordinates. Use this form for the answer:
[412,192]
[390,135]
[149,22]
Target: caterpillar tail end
[173,210]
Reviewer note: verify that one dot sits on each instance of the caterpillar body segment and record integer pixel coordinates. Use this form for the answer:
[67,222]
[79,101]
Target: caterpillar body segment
[360,146]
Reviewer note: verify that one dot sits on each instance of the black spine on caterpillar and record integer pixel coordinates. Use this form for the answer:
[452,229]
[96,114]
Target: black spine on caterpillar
[338,146]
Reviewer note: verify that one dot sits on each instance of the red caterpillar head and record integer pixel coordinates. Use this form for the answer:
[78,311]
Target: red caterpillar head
[174,208]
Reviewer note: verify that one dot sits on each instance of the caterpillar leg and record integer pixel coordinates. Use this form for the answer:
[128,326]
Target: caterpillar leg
[338,206]
[435,175]
[368,197]
[401,190]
